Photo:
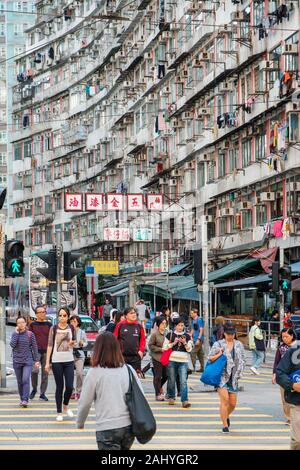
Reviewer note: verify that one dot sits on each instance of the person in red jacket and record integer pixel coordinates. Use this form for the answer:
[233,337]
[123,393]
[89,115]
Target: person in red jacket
[131,336]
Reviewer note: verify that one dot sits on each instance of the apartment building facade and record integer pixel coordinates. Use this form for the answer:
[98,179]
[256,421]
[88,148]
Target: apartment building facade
[198,101]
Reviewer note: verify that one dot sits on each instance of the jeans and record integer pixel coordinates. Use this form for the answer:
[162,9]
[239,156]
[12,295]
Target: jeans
[23,372]
[160,376]
[35,375]
[115,439]
[257,358]
[61,371]
[173,369]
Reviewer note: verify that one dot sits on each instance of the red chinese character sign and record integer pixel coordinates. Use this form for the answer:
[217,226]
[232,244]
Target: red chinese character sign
[155,202]
[94,202]
[73,202]
[115,202]
[135,202]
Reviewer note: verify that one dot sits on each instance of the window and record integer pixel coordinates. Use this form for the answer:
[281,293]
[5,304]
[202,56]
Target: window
[18,6]
[48,205]
[291,60]
[18,50]
[27,149]
[28,211]
[246,152]
[58,203]
[3,160]
[233,159]
[260,147]
[25,7]
[48,235]
[18,152]
[2,29]
[18,29]
[38,206]
[3,137]
[223,225]
[3,179]
[221,164]
[246,219]
[261,214]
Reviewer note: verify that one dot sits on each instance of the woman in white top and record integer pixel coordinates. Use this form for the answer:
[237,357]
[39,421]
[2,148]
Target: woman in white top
[60,354]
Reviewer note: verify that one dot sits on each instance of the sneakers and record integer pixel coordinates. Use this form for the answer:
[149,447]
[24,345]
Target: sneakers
[70,413]
[43,397]
[73,396]
[59,418]
[24,403]
[160,398]
[255,371]
[77,396]
[186,404]
[228,422]
[171,401]
[225,430]
[287,423]
[32,395]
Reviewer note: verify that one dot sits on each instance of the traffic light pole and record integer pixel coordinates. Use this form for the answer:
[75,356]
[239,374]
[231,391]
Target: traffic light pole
[205,286]
[2,312]
[59,269]
[281,307]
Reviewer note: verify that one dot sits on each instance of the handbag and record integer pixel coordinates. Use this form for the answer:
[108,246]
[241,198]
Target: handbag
[142,419]
[213,371]
[259,344]
[165,357]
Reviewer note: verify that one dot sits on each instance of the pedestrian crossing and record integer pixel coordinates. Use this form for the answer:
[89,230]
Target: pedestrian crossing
[195,428]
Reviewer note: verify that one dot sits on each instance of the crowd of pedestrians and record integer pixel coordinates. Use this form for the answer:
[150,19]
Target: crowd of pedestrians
[175,341]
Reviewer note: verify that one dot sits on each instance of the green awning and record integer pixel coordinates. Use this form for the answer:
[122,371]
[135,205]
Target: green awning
[187,294]
[162,287]
[236,267]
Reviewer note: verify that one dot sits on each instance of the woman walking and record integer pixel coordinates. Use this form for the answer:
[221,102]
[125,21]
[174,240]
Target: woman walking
[79,357]
[228,388]
[155,346]
[287,339]
[60,355]
[106,384]
[181,345]
[257,346]
[25,354]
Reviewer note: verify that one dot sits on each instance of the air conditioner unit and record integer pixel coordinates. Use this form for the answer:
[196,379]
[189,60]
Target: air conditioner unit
[187,115]
[189,166]
[227,212]
[290,49]
[206,157]
[148,56]
[257,201]
[177,123]
[152,97]
[244,205]
[177,172]
[237,16]
[225,86]
[104,140]
[128,84]
[166,35]
[111,172]
[49,61]
[208,218]
[97,42]
[268,66]
[292,108]
[205,56]
[267,197]
[173,182]
[196,63]
[202,112]
[295,187]
[162,181]
[225,145]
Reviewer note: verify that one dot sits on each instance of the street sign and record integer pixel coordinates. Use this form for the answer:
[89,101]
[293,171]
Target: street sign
[106,267]
[89,270]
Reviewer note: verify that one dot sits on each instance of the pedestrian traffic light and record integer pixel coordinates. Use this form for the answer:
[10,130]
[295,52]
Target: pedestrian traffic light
[275,276]
[14,263]
[285,278]
[49,257]
[69,258]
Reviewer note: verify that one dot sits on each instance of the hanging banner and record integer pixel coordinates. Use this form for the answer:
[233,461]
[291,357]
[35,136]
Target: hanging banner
[116,234]
[152,268]
[73,202]
[135,202]
[94,202]
[115,202]
[155,202]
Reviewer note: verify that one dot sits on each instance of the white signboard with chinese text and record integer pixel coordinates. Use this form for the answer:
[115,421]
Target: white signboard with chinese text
[94,202]
[115,202]
[142,235]
[155,202]
[73,202]
[164,261]
[135,202]
[116,234]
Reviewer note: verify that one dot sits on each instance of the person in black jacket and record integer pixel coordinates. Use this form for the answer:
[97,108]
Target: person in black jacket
[288,377]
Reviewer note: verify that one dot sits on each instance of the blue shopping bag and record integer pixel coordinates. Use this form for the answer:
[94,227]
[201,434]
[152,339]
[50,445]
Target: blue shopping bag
[213,371]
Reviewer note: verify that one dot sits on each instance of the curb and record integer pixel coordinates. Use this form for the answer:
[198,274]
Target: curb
[8,391]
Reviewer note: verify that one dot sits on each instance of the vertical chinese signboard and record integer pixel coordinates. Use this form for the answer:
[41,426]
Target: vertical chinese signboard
[164,261]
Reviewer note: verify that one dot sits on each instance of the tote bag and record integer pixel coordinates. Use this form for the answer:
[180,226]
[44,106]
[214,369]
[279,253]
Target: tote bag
[142,419]
[213,371]
[165,357]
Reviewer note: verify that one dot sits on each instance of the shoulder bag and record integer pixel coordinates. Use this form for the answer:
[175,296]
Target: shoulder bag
[213,371]
[142,419]
[165,357]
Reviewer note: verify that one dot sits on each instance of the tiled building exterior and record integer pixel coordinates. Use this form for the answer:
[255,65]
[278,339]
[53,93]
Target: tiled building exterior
[196,100]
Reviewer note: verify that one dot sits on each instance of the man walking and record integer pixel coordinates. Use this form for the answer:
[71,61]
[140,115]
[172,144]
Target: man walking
[40,327]
[107,307]
[131,336]
[198,338]
[287,376]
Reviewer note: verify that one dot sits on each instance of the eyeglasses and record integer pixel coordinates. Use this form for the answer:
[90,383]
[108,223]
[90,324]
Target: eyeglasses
[62,315]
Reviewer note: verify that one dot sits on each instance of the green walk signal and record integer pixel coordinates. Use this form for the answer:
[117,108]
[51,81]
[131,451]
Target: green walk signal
[16,267]
[13,258]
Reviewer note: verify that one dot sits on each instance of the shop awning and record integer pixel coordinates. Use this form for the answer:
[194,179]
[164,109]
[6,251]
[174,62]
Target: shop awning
[187,294]
[248,281]
[162,287]
[175,269]
[120,293]
[295,267]
[114,288]
[232,268]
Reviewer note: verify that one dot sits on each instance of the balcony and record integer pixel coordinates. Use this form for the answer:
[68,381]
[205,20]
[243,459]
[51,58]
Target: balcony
[76,135]
[231,240]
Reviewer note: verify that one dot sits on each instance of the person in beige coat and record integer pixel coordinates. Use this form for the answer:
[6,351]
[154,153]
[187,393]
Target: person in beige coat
[155,345]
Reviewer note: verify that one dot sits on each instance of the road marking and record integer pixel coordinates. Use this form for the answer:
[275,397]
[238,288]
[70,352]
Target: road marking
[175,415]
[153,408]
[174,438]
[148,446]
[160,431]
[187,422]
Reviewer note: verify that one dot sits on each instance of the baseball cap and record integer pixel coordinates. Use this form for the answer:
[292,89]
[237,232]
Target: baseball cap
[229,328]
[174,315]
